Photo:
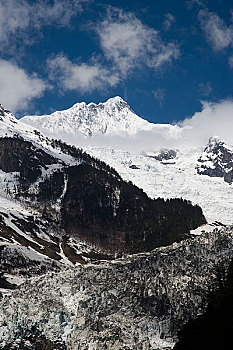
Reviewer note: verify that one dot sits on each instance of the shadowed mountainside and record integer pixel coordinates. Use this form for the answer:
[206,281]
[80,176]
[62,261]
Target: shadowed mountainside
[91,202]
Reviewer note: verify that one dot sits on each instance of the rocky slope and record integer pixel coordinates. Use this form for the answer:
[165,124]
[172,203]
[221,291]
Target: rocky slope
[135,303]
[216,160]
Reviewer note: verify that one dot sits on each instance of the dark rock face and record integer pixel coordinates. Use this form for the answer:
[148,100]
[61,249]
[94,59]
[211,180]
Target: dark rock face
[91,202]
[13,260]
[216,160]
[3,111]
[165,154]
[133,166]
[23,253]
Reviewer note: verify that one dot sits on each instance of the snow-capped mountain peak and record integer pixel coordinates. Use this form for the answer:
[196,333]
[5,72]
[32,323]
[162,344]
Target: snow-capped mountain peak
[113,102]
[113,117]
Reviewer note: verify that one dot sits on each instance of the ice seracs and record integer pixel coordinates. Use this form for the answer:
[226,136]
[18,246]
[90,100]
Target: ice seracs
[138,302]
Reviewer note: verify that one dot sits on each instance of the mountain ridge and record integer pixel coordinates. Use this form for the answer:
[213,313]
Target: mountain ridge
[113,117]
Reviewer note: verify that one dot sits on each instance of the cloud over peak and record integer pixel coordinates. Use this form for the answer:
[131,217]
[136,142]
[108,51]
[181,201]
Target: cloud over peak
[83,77]
[129,43]
[126,44]
[217,33]
[214,119]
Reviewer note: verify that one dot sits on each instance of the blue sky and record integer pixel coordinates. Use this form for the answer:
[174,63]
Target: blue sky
[162,57]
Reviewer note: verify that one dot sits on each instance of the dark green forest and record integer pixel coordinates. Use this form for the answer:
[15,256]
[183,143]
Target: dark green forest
[98,206]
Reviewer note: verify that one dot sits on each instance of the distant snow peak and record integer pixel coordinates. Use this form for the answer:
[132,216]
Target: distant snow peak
[113,117]
[216,160]
[215,144]
[116,100]
[214,141]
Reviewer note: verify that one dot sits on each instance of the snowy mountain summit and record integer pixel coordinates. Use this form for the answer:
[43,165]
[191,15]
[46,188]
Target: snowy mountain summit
[113,117]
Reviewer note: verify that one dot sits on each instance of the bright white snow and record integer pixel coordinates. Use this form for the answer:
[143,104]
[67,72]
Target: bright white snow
[113,117]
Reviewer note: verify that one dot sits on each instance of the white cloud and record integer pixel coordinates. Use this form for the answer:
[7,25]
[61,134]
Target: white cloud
[191,3]
[129,43]
[159,94]
[83,77]
[60,11]
[17,88]
[205,88]
[214,119]
[126,44]
[217,33]
[19,17]
[169,20]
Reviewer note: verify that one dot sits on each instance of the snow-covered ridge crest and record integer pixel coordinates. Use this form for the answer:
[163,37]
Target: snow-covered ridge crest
[113,117]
